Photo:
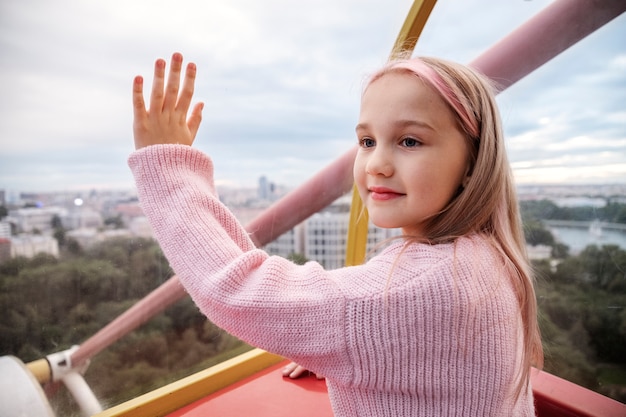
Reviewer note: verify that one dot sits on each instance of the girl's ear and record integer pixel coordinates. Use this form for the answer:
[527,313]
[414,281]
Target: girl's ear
[466,180]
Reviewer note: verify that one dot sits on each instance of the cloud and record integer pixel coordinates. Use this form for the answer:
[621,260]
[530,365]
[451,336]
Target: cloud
[280,80]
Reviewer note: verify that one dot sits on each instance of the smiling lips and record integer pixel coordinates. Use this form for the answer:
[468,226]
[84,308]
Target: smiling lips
[383,193]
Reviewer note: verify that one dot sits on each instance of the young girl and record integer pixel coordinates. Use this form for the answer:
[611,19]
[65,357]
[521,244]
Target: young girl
[441,322]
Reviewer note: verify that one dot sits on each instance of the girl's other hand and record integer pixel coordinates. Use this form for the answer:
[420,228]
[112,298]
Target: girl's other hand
[166,121]
[293,371]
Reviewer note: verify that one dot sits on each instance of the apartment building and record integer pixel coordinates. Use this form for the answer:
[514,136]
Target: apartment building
[323,238]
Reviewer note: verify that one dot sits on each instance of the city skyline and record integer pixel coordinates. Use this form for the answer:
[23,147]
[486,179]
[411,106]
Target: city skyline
[281,86]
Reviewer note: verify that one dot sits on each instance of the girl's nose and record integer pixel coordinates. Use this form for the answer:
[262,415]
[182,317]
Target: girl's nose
[380,162]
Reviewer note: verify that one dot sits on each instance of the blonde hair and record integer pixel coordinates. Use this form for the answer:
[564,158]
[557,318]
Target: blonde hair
[487,202]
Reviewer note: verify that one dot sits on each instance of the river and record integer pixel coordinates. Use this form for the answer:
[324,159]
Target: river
[579,237]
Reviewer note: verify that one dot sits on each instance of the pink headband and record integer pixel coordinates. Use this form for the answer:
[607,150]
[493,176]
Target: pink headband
[429,75]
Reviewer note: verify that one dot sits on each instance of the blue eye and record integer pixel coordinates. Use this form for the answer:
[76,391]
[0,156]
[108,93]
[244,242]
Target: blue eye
[410,142]
[367,142]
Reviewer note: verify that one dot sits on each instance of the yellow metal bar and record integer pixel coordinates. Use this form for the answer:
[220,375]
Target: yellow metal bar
[357,231]
[405,43]
[413,26]
[40,370]
[176,395]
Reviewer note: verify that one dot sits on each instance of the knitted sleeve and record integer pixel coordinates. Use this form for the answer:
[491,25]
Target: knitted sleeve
[269,302]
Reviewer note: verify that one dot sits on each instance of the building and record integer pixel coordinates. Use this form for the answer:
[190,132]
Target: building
[5,229]
[33,219]
[326,238]
[288,243]
[82,217]
[139,226]
[323,238]
[31,245]
[266,189]
[127,211]
[539,252]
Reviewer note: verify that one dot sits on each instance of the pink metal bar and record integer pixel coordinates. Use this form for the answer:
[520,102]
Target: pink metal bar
[158,300]
[544,36]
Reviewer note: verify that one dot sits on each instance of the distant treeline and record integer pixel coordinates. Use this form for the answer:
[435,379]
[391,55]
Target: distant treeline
[612,212]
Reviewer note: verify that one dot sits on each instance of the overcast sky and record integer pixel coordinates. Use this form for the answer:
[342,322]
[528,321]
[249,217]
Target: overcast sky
[281,82]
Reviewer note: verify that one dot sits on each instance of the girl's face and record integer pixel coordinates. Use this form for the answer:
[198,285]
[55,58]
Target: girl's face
[412,157]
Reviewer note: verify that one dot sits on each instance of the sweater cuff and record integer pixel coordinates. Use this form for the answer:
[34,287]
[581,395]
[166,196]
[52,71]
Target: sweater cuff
[155,161]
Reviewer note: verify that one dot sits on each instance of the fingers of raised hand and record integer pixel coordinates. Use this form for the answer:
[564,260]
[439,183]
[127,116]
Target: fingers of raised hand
[194,119]
[165,98]
[156,95]
[166,119]
[139,112]
[139,106]
[188,87]
[173,82]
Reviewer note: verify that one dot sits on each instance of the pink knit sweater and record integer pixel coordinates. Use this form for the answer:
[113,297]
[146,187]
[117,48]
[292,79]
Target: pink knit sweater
[417,331]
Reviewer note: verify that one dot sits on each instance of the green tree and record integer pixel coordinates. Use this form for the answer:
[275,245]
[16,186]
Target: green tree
[49,304]
[536,234]
[560,250]
[583,318]
[604,266]
[73,247]
[538,210]
[115,222]
[620,216]
[614,212]
[603,325]
[297,258]
[56,222]
[59,235]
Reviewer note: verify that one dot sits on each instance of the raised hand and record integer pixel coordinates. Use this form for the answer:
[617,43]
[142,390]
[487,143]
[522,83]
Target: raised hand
[166,121]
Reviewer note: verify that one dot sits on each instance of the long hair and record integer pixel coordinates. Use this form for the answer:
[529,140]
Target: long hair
[487,202]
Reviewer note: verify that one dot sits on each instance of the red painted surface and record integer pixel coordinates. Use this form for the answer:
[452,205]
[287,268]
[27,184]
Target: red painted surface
[266,393]
[557,397]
